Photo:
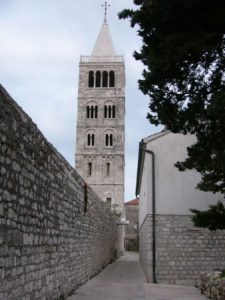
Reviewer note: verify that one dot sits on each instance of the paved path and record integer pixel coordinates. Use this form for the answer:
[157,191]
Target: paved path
[124,280]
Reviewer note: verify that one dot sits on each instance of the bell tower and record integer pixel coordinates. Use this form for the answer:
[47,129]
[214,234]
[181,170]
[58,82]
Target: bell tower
[100,120]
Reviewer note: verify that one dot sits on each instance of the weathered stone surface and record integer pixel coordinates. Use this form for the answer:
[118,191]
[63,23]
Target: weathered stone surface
[49,245]
[109,186]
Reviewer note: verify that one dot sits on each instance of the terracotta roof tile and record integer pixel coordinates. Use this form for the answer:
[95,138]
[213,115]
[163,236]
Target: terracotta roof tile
[132,202]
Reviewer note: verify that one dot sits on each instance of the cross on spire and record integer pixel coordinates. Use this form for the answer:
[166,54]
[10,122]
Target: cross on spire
[106,5]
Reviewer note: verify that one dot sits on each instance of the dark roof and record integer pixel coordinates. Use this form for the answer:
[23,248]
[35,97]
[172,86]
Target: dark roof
[132,202]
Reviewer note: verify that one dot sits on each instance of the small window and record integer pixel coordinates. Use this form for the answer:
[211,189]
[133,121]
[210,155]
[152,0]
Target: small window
[91,79]
[111,79]
[109,202]
[89,170]
[92,111]
[98,79]
[90,139]
[113,111]
[105,111]
[109,111]
[105,79]
[108,169]
[88,112]
[109,139]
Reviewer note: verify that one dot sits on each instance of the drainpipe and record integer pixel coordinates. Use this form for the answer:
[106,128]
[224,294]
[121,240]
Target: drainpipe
[153,212]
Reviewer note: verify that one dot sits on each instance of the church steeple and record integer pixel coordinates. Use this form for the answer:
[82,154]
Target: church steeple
[104,44]
[100,120]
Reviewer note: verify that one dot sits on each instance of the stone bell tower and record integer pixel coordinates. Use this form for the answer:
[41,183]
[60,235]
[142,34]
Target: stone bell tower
[100,121]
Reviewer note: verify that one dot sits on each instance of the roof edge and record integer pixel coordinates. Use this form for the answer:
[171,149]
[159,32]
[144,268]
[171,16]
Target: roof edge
[156,135]
[140,165]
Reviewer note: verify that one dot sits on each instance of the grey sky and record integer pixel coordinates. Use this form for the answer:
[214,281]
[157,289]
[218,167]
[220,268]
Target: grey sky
[41,44]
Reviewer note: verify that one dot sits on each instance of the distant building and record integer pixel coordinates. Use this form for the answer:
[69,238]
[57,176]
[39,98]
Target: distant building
[171,249]
[100,121]
[131,230]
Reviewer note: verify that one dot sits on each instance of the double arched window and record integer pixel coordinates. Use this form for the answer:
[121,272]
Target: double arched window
[92,111]
[108,139]
[90,138]
[101,79]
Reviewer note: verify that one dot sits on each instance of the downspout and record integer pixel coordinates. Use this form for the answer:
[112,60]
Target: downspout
[153,211]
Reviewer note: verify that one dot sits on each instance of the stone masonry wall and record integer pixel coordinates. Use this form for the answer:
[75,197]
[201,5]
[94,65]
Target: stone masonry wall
[182,250]
[54,233]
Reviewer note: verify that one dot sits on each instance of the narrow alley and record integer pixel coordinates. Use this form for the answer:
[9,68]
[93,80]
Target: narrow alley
[124,280]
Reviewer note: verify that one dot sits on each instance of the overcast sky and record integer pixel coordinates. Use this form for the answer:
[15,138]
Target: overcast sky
[40,46]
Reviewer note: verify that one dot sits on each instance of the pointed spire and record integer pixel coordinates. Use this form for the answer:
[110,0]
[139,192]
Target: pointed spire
[104,44]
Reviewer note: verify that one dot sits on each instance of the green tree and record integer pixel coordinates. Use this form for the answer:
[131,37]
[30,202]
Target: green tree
[183,52]
[213,218]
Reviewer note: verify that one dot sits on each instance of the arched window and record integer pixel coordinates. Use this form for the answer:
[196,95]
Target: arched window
[98,79]
[105,111]
[92,111]
[113,111]
[89,169]
[91,79]
[111,139]
[111,78]
[109,111]
[109,202]
[88,112]
[101,79]
[108,139]
[105,79]
[108,169]
[90,139]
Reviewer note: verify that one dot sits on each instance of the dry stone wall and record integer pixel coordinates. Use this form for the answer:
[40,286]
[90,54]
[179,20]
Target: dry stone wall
[55,233]
[182,250]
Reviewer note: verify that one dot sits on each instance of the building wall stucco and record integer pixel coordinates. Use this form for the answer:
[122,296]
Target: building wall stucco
[182,251]
[175,191]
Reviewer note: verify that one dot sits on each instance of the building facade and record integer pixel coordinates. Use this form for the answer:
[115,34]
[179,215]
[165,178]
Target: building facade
[100,121]
[172,250]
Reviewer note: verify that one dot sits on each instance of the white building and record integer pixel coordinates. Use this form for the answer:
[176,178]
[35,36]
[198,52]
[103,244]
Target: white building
[172,250]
